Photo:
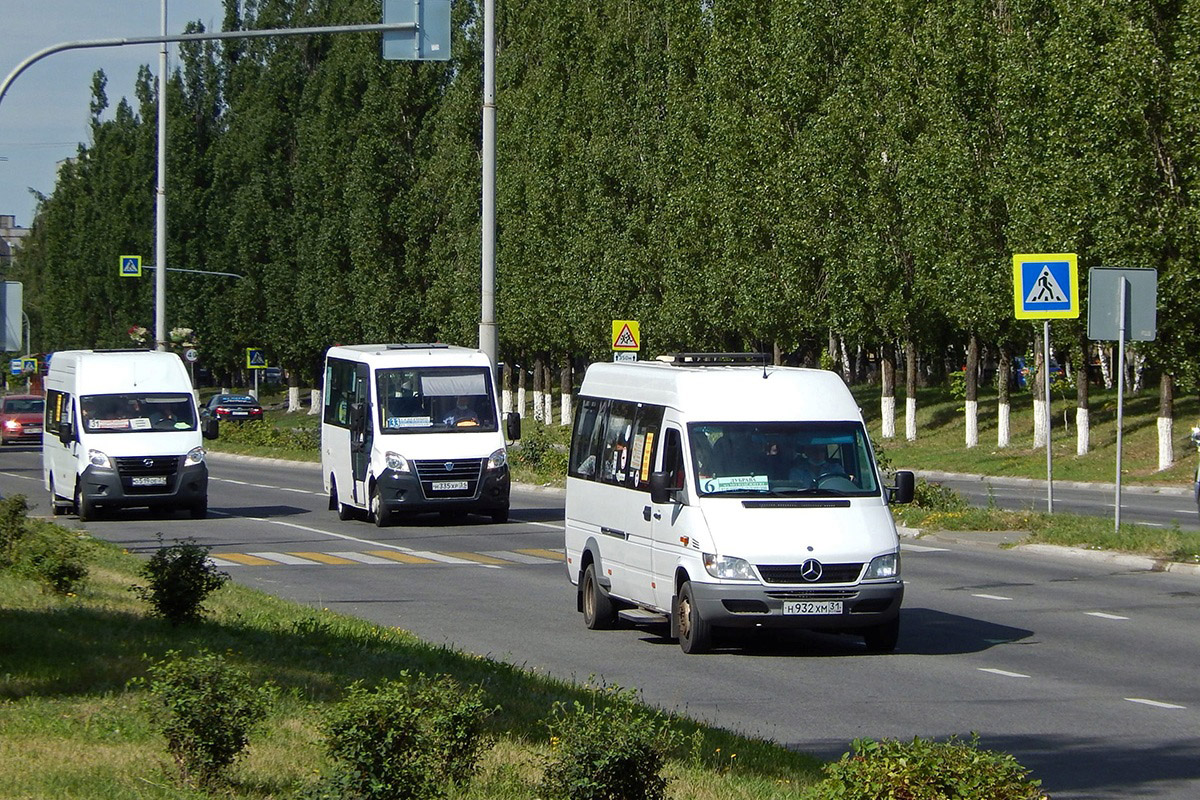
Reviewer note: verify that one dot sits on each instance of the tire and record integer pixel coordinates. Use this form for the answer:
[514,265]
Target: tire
[380,515]
[199,509]
[695,634]
[598,611]
[500,516]
[345,513]
[56,507]
[84,509]
[882,638]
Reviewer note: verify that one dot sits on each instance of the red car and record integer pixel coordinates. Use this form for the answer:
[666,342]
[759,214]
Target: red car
[21,418]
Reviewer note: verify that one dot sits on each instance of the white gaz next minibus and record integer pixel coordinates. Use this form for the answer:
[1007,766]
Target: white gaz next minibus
[717,493]
[409,428]
[122,431]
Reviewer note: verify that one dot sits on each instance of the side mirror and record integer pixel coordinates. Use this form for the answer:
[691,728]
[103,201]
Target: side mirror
[659,491]
[905,484]
[66,431]
[210,428]
[512,426]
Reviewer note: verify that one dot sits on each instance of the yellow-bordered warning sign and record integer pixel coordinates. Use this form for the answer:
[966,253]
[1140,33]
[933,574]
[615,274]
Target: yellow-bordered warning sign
[1046,286]
[130,267]
[626,335]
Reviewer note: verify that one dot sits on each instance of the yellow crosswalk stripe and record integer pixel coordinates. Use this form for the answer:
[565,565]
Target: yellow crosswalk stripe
[404,558]
[250,561]
[324,558]
[553,555]
[479,558]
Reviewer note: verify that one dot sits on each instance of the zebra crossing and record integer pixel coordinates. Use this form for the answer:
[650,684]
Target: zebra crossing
[387,557]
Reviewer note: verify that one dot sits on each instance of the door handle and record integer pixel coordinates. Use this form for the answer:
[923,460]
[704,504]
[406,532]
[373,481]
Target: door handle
[646,513]
[658,515]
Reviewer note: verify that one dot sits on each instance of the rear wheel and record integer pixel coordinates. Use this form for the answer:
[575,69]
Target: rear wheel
[57,507]
[345,513]
[598,613]
[695,634]
[882,638]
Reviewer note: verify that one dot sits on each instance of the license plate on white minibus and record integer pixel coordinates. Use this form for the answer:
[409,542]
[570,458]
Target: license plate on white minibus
[148,480]
[807,607]
[449,486]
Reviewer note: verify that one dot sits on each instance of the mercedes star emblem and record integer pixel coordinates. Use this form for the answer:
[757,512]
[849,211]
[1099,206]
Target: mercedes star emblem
[811,570]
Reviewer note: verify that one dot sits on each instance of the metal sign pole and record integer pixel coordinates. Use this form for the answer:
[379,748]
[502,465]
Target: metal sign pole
[1046,384]
[1121,289]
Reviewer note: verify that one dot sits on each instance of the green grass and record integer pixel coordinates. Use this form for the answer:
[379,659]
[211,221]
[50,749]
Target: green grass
[75,726]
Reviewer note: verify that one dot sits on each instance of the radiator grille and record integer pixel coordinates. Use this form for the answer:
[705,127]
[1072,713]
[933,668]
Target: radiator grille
[791,573]
[130,467]
[462,469]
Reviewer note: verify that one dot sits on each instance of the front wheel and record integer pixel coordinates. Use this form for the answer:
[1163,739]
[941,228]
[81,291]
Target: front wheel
[695,633]
[199,509]
[500,516]
[379,512]
[84,509]
[882,638]
[598,613]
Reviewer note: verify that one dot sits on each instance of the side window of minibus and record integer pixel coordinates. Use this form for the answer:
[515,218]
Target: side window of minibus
[615,453]
[54,402]
[672,458]
[645,440]
[585,438]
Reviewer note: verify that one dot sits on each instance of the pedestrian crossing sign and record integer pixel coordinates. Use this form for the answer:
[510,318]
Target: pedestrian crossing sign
[625,335]
[1046,286]
[255,358]
[131,267]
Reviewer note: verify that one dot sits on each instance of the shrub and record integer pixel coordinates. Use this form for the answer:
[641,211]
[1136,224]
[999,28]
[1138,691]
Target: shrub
[181,577]
[610,749]
[261,433]
[206,709]
[13,513]
[925,770]
[539,451]
[52,555]
[936,497]
[407,739]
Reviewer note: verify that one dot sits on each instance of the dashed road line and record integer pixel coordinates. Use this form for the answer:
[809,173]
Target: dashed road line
[1103,615]
[31,478]
[1002,672]
[991,597]
[1154,703]
[922,548]
[493,559]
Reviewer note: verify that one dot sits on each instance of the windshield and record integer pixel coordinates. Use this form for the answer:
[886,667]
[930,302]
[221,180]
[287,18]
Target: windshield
[24,405]
[122,413]
[436,400]
[753,459]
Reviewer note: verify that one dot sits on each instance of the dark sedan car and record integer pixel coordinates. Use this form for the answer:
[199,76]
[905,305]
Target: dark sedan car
[232,408]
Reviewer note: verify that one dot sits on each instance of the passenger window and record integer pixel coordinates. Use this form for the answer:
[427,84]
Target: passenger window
[339,392]
[615,455]
[585,439]
[646,433]
[672,458]
[58,408]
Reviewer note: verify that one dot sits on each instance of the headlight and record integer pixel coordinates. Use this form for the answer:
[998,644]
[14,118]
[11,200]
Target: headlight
[736,569]
[885,566]
[194,456]
[99,459]
[396,462]
[12,424]
[498,459]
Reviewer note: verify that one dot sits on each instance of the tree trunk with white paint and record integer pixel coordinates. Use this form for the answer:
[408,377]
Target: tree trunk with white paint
[1136,360]
[521,406]
[887,402]
[972,387]
[1106,368]
[506,395]
[547,397]
[1082,400]
[1003,405]
[910,386]
[1037,375]
[294,399]
[565,400]
[1166,422]
[847,367]
[539,404]
[1083,431]
[315,404]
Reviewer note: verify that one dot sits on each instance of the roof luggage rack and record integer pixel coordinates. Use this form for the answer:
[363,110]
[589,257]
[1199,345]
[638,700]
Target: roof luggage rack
[417,346]
[716,359]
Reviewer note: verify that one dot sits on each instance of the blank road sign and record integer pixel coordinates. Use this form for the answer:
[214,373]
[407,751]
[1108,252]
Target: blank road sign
[1141,304]
[429,42]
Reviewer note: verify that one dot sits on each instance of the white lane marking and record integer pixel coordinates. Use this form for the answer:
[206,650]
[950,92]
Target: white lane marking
[991,597]
[384,545]
[39,480]
[220,562]
[230,480]
[284,558]
[539,524]
[363,558]
[1153,524]
[1102,615]
[520,558]
[265,486]
[1002,672]
[1155,703]
[297,491]
[921,548]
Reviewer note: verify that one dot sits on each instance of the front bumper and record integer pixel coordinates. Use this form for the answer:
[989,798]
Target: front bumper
[184,486]
[415,493]
[749,606]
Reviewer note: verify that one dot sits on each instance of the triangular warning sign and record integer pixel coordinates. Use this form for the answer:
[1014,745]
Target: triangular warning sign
[1045,289]
[625,339]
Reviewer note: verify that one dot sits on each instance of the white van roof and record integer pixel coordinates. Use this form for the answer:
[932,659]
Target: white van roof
[721,393]
[421,354]
[118,371]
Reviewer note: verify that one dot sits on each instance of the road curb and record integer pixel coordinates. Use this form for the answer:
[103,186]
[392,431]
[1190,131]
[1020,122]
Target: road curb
[936,475]
[217,455]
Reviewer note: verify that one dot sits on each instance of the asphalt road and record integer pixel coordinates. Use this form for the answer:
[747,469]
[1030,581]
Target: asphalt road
[1085,670]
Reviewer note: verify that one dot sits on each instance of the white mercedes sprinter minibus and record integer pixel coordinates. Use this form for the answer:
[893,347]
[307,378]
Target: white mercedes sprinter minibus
[410,428]
[122,431]
[720,493]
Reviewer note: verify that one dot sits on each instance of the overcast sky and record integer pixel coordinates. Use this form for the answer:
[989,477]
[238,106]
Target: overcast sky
[44,115]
